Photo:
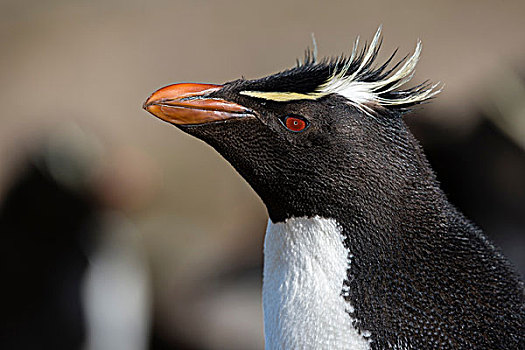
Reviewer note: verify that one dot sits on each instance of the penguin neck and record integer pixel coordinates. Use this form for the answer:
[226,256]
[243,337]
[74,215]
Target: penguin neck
[305,267]
[357,184]
[314,258]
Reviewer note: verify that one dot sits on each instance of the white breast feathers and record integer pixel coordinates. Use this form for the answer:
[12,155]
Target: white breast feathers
[305,264]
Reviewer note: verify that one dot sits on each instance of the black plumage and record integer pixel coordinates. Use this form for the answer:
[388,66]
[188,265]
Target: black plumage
[422,275]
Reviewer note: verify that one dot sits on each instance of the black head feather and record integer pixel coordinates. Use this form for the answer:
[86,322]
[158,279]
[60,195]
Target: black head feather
[364,83]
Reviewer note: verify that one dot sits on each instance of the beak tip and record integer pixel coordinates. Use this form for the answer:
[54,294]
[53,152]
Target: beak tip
[149,101]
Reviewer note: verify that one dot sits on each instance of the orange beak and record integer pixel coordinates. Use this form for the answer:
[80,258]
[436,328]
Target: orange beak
[188,104]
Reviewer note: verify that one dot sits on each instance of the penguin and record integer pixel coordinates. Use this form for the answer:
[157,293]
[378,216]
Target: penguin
[363,250]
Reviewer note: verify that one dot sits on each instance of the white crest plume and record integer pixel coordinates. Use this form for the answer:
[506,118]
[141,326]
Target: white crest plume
[360,93]
[364,85]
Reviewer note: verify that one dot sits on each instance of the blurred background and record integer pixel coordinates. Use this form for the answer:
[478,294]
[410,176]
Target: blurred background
[118,231]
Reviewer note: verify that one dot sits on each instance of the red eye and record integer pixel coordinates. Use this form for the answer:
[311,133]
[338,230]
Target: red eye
[295,124]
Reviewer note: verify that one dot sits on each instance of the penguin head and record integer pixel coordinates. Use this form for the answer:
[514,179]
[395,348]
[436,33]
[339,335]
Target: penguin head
[308,139]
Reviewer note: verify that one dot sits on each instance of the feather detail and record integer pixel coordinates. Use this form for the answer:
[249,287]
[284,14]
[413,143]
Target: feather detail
[358,80]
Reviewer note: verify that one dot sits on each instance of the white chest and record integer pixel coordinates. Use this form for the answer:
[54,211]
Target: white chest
[305,264]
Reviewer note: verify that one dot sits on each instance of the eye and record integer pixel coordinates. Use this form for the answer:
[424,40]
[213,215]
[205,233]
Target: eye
[295,123]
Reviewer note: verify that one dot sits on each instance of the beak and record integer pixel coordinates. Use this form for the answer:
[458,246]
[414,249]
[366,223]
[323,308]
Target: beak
[189,104]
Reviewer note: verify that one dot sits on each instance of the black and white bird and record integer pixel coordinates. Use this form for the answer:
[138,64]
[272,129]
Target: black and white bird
[363,249]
